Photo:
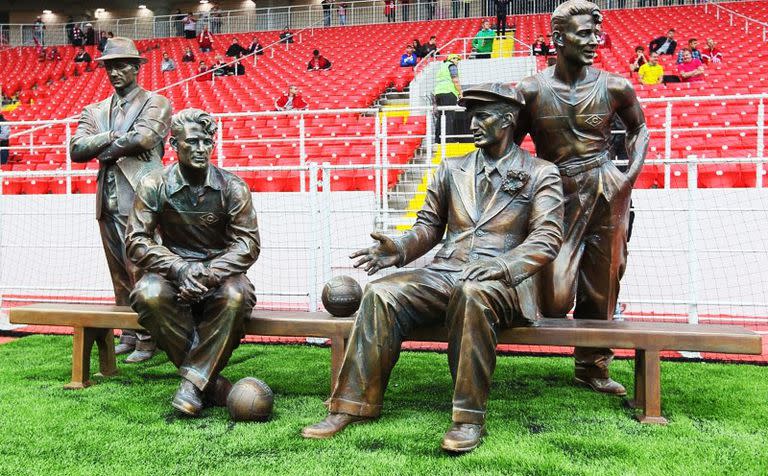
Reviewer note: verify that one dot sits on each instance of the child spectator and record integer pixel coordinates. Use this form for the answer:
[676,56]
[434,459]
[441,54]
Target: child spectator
[638,60]
[318,62]
[291,100]
[408,59]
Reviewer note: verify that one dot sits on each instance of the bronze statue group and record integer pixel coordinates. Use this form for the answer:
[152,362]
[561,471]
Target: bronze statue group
[522,236]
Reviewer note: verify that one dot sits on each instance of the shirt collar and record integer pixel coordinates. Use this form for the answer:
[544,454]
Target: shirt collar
[502,165]
[122,101]
[176,180]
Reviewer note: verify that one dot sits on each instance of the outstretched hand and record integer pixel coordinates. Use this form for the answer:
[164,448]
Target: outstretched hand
[380,256]
[485,270]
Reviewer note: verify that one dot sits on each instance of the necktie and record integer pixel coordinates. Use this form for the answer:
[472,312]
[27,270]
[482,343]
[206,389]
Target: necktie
[486,187]
[117,123]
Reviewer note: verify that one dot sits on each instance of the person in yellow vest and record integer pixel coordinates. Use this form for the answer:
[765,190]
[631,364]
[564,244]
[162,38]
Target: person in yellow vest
[447,93]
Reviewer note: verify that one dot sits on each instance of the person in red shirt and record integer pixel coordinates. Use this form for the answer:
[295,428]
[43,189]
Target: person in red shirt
[691,69]
[291,101]
[318,62]
[53,54]
[638,59]
[539,47]
[603,40]
[205,40]
[202,68]
[711,54]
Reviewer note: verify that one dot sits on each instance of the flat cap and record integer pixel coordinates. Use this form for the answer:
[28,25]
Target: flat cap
[492,92]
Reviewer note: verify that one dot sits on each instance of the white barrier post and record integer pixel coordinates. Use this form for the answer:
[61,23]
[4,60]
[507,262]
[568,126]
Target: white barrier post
[325,223]
[384,170]
[68,135]
[314,275]
[377,169]
[220,145]
[667,145]
[430,135]
[302,153]
[693,261]
[760,143]
[442,136]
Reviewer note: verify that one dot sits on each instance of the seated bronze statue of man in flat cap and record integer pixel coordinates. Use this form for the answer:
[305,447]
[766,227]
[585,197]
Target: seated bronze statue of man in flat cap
[194,295]
[501,212]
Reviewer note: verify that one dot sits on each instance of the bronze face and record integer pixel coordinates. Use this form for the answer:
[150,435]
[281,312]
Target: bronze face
[122,74]
[578,41]
[489,124]
[194,146]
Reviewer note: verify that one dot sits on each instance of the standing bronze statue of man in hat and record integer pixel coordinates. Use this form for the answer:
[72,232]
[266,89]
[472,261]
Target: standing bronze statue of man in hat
[194,295]
[568,112]
[125,133]
[502,210]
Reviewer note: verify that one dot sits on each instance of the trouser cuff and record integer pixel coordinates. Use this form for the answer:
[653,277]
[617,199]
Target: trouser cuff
[128,338]
[591,372]
[463,415]
[199,381]
[361,409]
[146,345]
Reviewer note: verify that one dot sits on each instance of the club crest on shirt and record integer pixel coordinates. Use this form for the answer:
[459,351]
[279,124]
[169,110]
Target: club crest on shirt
[209,218]
[594,120]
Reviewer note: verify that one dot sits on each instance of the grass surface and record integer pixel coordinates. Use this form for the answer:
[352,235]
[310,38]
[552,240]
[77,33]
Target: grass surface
[538,422]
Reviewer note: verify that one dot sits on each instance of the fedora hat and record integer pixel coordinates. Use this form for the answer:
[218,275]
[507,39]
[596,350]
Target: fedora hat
[121,48]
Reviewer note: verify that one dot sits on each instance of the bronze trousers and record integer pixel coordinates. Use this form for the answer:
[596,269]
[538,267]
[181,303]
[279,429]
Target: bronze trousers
[198,338]
[395,305]
[592,258]
[123,272]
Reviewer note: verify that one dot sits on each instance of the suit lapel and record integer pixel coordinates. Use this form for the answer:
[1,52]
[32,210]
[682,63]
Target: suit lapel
[464,182]
[500,198]
[134,109]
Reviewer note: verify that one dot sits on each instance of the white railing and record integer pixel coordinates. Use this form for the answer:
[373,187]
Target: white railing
[735,17]
[361,12]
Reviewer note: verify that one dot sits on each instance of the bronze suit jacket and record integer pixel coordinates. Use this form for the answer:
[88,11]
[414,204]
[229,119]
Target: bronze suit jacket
[146,123]
[520,226]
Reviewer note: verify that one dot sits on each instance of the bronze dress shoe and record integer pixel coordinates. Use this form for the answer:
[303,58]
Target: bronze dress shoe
[216,392]
[463,437]
[332,424]
[188,399]
[602,385]
[144,351]
[124,348]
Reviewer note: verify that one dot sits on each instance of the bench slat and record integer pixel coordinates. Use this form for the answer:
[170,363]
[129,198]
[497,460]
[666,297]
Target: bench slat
[557,332]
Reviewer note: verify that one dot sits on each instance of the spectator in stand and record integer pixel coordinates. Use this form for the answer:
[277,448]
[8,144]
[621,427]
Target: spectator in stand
[389,10]
[326,4]
[286,36]
[552,49]
[483,42]
[603,40]
[405,6]
[291,101]
[408,59]
[539,47]
[220,68]
[39,31]
[418,48]
[102,41]
[189,56]
[78,37]
[82,56]
[695,53]
[53,54]
[447,93]
[429,47]
[90,35]
[237,69]
[215,16]
[202,68]
[638,60]
[235,50]
[502,7]
[190,26]
[178,21]
[691,69]
[255,47]
[318,62]
[342,11]
[42,54]
[651,72]
[167,64]
[5,134]
[664,45]
[205,40]
[711,53]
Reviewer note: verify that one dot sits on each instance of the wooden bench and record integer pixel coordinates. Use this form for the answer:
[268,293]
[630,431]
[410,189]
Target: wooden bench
[94,324]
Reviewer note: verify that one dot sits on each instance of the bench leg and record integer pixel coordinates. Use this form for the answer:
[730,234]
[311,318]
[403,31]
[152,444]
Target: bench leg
[648,387]
[105,341]
[82,344]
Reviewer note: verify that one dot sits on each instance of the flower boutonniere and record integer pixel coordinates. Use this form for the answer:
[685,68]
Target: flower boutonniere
[514,181]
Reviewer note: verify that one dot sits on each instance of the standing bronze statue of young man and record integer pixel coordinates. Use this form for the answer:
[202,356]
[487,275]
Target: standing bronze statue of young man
[194,296]
[568,112]
[125,133]
[502,209]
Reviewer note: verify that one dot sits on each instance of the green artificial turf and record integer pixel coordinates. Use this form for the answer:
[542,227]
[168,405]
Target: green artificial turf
[538,422]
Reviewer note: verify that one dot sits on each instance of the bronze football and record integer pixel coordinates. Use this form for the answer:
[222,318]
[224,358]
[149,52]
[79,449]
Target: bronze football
[250,400]
[341,296]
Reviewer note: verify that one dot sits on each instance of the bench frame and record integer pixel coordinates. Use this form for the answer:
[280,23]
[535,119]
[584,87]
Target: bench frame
[94,324]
